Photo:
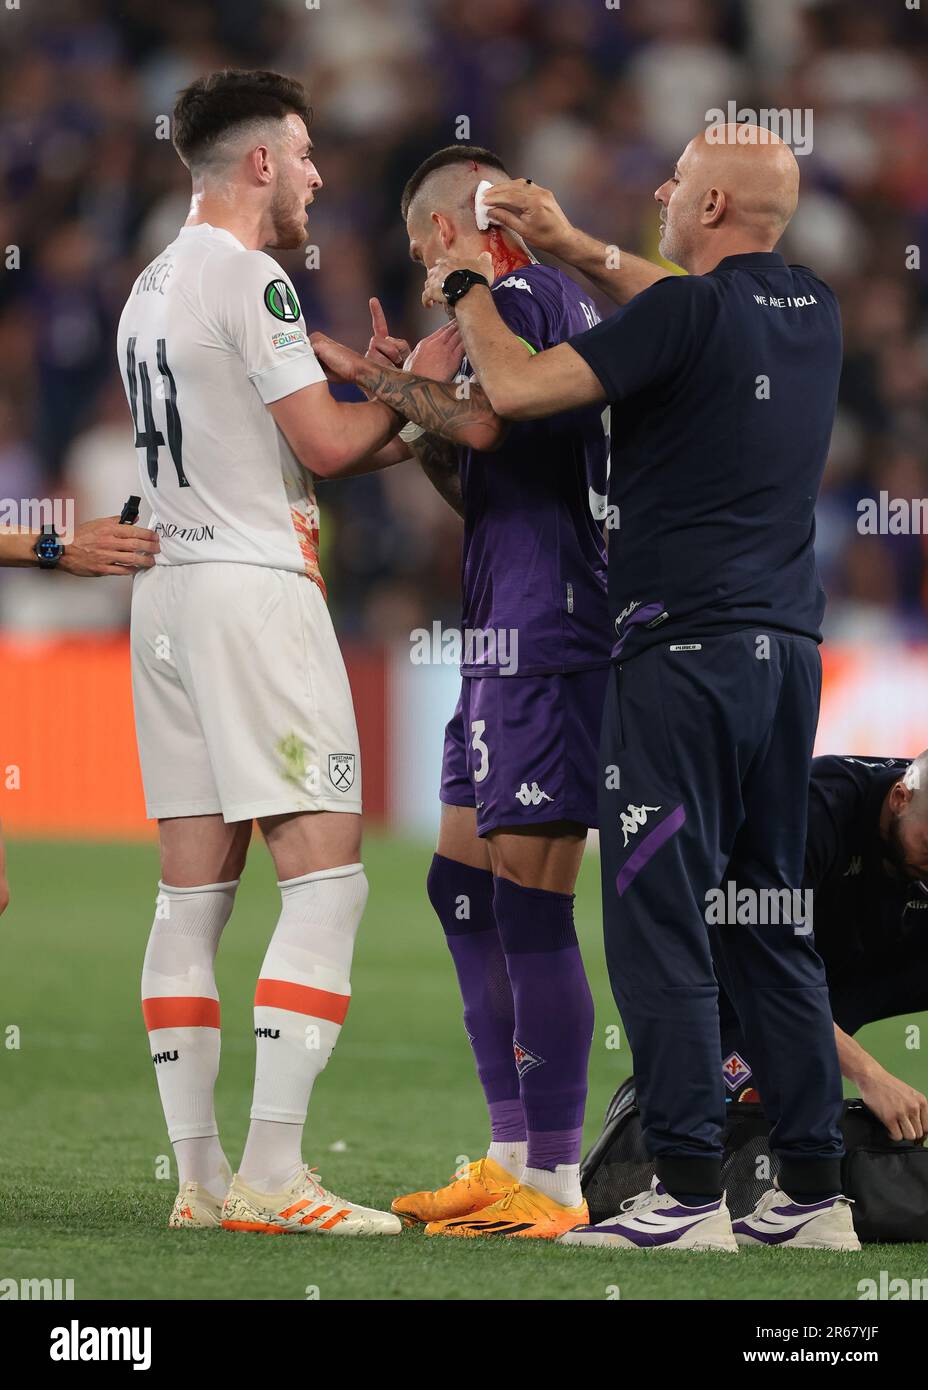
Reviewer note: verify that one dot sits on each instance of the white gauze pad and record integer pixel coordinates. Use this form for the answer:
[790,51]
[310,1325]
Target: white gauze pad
[481,211]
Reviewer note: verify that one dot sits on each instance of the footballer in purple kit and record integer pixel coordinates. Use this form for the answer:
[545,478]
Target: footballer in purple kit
[519,773]
[521,746]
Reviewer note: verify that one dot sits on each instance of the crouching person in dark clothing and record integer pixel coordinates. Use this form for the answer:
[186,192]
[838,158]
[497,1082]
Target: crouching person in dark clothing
[866,865]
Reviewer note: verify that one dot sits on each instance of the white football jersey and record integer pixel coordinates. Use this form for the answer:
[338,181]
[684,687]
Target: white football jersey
[210,334]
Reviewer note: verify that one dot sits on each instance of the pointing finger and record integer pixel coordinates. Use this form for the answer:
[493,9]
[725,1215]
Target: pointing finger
[379,319]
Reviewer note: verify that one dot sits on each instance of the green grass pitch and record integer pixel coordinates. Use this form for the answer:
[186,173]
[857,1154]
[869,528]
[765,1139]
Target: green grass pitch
[79,1193]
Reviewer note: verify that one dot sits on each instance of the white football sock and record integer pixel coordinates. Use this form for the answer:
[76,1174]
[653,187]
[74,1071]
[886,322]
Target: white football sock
[180,1005]
[509,1154]
[562,1184]
[273,1155]
[203,1161]
[300,1002]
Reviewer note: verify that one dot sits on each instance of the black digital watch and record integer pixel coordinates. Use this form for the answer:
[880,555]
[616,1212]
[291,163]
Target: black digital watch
[48,549]
[456,285]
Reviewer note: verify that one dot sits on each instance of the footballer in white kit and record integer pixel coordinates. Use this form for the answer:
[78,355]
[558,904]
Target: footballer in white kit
[242,702]
[243,709]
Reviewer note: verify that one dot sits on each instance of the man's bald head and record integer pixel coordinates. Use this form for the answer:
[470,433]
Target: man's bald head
[915,782]
[734,189]
[904,820]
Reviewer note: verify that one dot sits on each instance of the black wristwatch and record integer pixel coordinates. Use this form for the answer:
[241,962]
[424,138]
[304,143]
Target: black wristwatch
[456,285]
[48,549]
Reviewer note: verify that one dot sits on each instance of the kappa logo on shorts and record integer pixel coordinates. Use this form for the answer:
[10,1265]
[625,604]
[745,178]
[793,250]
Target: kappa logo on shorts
[532,796]
[341,771]
[735,1071]
[525,1060]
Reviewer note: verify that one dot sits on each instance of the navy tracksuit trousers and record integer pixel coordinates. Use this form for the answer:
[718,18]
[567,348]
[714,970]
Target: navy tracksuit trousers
[710,741]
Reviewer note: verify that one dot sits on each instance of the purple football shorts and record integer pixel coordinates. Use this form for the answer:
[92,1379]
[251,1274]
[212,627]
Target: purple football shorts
[525,749]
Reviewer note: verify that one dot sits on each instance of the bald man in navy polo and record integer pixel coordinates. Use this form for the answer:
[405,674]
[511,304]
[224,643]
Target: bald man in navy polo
[723,385]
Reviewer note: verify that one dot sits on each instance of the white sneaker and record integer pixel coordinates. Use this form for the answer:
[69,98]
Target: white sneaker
[778,1220]
[656,1221]
[305,1207]
[195,1206]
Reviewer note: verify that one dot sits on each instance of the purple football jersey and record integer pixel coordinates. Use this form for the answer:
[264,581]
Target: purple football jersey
[534,562]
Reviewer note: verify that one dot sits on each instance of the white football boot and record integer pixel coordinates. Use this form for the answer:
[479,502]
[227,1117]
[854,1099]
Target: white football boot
[778,1220]
[304,1207]
[655,1220]
[194,1207]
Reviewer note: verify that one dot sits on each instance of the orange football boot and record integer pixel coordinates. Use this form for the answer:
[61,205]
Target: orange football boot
[522,1211]
[481,1185]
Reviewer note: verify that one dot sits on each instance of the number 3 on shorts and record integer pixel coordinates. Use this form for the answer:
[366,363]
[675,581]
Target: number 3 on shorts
[480,747]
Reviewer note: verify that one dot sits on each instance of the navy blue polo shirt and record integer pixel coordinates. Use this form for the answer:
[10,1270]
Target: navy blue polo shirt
[723,391]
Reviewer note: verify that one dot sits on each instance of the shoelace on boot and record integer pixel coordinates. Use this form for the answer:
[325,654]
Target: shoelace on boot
[508,1197]
[313,1179]
[638,1202]
[477,1174]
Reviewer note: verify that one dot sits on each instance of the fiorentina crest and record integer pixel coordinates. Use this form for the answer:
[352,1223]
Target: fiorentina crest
[341,771]
[525,1060]
[735,1071]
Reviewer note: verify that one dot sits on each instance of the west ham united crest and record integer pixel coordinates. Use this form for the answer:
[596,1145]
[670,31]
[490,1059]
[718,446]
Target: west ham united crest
[341,771]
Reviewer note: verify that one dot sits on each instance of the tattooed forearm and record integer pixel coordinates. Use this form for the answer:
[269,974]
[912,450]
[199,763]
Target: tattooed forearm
[457,411]
[440,464]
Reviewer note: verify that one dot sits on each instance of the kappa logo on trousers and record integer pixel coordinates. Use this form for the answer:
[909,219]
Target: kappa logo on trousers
[632,819]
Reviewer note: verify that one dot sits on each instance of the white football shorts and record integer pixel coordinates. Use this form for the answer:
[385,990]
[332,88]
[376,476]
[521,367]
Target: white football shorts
[242,703]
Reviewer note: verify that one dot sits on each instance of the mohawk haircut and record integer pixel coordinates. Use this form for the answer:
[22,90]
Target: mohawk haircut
[451,154]
[216,104]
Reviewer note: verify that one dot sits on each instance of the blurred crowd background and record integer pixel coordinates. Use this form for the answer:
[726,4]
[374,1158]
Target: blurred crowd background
[595,102]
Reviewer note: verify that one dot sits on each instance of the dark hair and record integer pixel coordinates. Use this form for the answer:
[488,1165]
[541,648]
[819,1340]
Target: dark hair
[451,154]
[214,104]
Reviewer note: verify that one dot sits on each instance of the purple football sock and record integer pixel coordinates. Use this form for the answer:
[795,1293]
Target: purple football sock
[553,1017]
[463,901]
